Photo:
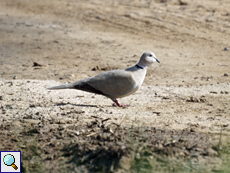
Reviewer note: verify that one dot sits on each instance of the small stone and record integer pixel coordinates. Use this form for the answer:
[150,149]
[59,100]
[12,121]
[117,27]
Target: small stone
[160,146]
[225,74]
[157,113]
[226,49]
[225,125]
[101,110]
[138,156]
[213,92]
[95,68]
[192,130]
[35,64]
[210,152]
[165,97]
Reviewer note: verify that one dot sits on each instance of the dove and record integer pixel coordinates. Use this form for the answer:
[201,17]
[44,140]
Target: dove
[116,83]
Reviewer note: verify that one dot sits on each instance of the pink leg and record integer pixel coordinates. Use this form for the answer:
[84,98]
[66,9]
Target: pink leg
[118,104]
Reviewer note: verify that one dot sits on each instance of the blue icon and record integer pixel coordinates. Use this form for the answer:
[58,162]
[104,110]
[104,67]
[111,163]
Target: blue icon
[9,160]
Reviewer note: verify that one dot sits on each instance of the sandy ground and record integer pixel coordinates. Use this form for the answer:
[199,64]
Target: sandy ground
[47,43]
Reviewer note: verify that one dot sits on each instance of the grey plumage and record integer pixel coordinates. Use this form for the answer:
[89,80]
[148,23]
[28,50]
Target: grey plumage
[116,83]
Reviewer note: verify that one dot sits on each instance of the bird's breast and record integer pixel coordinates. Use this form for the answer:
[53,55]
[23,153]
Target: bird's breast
[139,77]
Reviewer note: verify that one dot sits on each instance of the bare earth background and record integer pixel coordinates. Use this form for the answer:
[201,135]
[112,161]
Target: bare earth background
[177,116]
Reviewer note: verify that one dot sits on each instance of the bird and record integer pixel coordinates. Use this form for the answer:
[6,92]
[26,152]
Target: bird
[116,83]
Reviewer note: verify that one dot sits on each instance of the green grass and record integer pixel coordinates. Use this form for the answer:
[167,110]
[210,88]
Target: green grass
[146,160]
[223,149]
[27,143]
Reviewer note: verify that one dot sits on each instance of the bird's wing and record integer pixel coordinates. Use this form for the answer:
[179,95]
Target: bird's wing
[114,84]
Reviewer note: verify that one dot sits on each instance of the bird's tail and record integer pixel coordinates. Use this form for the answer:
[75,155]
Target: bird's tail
[67,86]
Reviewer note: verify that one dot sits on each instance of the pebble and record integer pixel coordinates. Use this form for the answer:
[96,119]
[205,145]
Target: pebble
[213,92]
[210,152]
[226,49]
[226,74]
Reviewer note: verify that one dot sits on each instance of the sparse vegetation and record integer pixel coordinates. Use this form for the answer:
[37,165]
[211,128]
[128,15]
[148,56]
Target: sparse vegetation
[112,148]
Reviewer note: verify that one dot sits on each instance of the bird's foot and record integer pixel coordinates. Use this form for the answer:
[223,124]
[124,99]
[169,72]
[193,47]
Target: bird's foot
[116,103]
[120,105]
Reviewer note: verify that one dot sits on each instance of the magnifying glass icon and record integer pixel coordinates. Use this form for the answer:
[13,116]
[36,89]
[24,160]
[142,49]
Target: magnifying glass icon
[9,160]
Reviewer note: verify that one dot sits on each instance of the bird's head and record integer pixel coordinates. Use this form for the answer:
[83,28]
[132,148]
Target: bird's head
[147,59]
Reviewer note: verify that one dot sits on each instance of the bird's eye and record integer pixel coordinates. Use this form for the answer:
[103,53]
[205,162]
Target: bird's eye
[150,55]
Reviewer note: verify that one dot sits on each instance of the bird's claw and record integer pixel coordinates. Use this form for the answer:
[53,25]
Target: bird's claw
[116,103]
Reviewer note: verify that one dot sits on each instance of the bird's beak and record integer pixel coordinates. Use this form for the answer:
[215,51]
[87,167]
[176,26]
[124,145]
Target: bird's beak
[157,60]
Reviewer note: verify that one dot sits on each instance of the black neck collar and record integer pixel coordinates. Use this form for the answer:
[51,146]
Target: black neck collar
[138,66]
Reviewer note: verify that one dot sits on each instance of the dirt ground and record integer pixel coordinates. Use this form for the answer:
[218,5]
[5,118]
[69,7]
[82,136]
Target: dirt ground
[179,112]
